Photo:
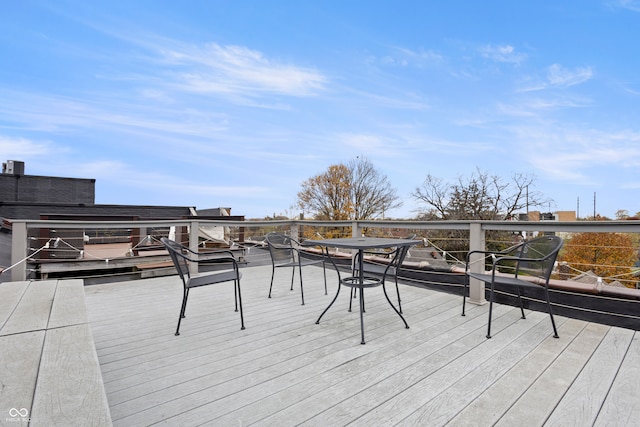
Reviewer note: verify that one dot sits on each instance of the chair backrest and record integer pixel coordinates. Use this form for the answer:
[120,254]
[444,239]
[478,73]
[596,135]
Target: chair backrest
[394,264]
[180,261]
[538,257]
[280,247]
[398,259]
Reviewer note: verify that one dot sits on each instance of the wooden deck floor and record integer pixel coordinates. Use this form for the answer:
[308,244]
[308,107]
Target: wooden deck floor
[283,369]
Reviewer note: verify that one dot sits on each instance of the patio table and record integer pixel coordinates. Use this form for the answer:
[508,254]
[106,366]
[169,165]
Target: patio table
[360,281]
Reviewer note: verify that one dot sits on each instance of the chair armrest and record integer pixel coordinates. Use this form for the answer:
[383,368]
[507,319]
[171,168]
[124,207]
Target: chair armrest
[495,253]
[480,252]
[218,251]
[220,260]
[221,251]
[496,262]
[499,260]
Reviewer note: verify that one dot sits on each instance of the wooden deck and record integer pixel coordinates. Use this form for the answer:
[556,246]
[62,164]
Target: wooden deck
[284,370]
[49,371]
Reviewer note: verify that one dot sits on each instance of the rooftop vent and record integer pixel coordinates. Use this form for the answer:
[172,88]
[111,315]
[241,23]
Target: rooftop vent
[13,167]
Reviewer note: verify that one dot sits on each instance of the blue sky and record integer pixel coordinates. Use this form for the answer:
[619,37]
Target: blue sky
[236,103]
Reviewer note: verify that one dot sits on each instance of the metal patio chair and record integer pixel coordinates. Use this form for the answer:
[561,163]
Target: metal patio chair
[285,253]
[182,256]
[534,258]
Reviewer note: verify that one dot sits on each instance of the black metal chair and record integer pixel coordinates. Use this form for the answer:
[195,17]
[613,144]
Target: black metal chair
[183,256]
[533,259]
[390,267]
[285,253]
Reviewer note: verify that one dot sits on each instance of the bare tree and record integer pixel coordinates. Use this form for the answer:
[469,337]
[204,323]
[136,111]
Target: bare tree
[622,214]
[344,192]
[480,196]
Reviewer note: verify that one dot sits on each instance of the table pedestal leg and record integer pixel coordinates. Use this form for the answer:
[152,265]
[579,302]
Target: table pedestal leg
[339,286]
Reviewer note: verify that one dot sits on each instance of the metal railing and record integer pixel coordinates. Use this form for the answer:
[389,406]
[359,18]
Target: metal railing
[32,236]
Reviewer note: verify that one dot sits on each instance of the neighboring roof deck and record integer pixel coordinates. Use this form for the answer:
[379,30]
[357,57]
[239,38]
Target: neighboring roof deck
[283,369]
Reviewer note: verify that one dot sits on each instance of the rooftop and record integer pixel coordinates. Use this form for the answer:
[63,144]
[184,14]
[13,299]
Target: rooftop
[284,369]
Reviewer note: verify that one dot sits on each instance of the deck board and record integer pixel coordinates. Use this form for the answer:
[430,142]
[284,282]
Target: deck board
[49,370]
[19,361]
[621,406]
[11,294]
[539,401]
[69,374]
[68,306]
[283,369]
[584,399]
[490,404]
[33,312]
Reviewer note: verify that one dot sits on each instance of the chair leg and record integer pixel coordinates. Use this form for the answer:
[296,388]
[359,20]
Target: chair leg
[352,291]
[520,302]
[301,287]
[464,293]
[553,322]
[183,307]
[273,273]
[236,284]
[235,295]
[490,311]
[362,341]
[293,275]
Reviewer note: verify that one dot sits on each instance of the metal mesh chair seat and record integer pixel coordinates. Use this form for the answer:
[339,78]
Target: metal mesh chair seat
[183,256]
[534,258]
[285,253]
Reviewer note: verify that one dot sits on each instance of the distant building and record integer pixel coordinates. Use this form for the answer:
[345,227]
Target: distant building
[566,215]
[34,197]
[548,216]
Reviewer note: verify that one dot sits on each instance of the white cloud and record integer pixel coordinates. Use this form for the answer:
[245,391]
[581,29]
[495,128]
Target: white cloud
[65,114]
[557,75]
[580,156]
[407,57]
[240,70]
[21,148]
[503,53]
[118,172]
[633,5]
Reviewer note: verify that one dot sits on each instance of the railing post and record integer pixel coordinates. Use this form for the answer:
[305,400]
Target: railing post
[194,235]
[477,242]
[356,231]
[295,231]
[19,248]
